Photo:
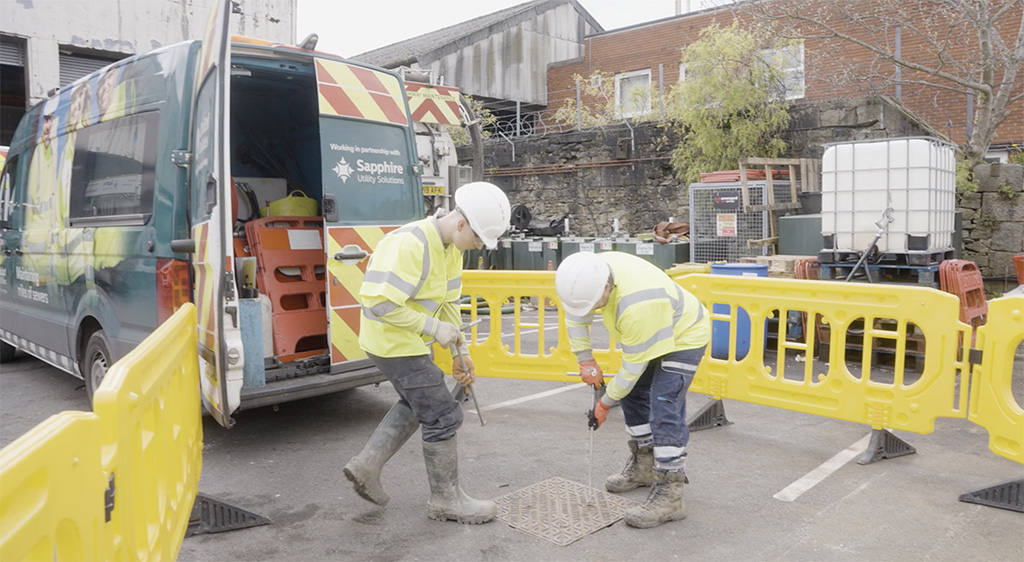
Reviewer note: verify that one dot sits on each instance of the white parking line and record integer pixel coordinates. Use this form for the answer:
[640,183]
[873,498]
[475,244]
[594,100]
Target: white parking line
[522,399]
[812,478]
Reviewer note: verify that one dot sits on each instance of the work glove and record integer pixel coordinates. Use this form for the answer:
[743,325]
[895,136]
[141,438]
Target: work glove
[447,334]
[598,415]
[463,369]
[591,373]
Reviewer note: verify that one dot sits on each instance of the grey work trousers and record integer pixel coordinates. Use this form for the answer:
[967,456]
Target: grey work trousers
[420,384]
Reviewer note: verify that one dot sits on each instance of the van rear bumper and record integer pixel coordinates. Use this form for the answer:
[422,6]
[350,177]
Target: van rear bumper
[285,390]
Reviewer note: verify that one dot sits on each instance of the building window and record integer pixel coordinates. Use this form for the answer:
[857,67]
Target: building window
[790,62]
[7,183]
[633,93]
[113,172]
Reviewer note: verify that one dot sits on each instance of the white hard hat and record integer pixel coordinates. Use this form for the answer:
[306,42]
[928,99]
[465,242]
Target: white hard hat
[486,208]
[580,282]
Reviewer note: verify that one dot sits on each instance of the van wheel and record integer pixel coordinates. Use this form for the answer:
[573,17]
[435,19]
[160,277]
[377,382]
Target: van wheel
[6,352]
[95,362]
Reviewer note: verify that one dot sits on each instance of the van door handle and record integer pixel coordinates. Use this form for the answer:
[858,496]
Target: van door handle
[351,255]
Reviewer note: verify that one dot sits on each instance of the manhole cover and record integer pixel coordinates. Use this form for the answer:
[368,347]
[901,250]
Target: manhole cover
[556,510]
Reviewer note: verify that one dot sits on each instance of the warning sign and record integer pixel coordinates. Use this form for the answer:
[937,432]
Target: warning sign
[727,224]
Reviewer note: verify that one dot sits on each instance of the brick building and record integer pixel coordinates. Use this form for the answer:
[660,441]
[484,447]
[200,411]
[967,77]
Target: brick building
[648,54]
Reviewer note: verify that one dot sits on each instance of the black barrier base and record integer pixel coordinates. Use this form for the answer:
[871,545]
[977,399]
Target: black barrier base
[885,445]
[210,515]
[710,415]
[1005,495]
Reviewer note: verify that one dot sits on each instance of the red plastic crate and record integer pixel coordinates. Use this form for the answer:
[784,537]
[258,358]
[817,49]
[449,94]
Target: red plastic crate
[290,270]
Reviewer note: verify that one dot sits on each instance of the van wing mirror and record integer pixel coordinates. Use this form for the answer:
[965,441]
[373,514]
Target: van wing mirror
[184,246]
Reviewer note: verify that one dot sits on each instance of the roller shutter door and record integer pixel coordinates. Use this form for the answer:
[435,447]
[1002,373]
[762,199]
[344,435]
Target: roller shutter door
[12,52]
[75,66]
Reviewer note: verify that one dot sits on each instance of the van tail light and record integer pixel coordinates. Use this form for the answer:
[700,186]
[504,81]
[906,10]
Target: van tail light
[173,287]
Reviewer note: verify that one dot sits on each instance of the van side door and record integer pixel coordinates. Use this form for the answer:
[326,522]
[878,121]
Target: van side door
[216,297]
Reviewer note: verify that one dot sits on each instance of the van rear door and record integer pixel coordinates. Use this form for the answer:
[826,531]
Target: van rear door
[371,184]
[220,343]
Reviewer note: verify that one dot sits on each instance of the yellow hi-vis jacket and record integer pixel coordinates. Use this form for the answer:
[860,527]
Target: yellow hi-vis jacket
[411,282]
[647,313]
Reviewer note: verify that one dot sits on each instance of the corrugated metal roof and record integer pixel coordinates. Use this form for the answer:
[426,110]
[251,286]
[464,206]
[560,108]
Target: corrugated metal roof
[410,50]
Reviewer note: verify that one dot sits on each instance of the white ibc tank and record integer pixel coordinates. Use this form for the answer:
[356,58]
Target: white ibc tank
[915,177]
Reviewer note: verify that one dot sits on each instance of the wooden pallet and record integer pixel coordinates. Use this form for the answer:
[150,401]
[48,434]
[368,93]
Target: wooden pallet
[882,347]
[778,266]
[933,257]
[927,275]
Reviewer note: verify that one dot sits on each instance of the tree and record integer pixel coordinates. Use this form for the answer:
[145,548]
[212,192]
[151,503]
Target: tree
[460,134]
[975,47]
[731,102]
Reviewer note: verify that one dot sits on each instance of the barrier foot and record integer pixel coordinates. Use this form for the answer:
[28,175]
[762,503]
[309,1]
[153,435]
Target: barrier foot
[885,445]
[1005,495]
[210,515]
[710,415]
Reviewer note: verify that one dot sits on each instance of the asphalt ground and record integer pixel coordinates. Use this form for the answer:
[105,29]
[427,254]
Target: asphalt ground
[285,463]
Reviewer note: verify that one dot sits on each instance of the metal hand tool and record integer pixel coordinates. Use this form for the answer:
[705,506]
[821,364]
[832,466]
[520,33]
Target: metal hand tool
[469,387]
[462,328]
[592,422]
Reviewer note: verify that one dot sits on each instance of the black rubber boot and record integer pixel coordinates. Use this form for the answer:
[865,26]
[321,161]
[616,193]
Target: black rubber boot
[664,503]
[447,500]
[639,470]
[364,469]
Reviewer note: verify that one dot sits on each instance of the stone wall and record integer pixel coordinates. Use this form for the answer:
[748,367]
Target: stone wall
[578,174]
[993,226]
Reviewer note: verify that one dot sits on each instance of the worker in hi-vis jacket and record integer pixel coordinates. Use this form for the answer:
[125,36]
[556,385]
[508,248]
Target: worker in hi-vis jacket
[410,294]
[663,331]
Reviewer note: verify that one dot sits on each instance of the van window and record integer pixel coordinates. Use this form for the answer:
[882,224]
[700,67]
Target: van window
[113,173]
[7,183]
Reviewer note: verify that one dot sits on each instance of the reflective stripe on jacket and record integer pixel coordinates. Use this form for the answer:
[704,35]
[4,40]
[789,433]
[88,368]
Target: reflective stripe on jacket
[647,313]
[411,281]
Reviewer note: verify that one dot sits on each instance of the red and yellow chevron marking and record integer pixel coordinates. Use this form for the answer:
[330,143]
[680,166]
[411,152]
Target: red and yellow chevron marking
[345,335]
[204,287]
[353,91]
[343,288]
[433,104]
[208,51]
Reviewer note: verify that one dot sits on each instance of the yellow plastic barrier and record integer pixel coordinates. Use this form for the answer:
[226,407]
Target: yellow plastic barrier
[492,357]
[903,402]
[851,310]
[149,408]
[992,404]
[51,491]
[141,452]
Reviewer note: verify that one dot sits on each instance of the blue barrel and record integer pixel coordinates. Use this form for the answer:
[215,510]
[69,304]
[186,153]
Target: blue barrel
[720,328]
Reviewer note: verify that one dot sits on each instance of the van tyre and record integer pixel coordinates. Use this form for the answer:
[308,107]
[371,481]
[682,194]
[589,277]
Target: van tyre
[6,352]
[95,362]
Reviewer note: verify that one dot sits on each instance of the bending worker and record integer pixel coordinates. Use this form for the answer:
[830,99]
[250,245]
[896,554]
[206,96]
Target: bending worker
[410,294]
[663,331]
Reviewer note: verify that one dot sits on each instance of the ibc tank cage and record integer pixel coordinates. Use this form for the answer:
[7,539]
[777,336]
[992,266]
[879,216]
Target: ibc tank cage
[915,177]
[720,226]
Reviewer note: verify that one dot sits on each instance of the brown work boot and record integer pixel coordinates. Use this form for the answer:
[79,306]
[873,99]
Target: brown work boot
[364,469]
[447,500]
[639,470]
[664,503]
